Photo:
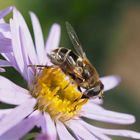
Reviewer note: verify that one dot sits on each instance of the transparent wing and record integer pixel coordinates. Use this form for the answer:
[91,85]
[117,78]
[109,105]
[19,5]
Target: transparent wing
[74,39]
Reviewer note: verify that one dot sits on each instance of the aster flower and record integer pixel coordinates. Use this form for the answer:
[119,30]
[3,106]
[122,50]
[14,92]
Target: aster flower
[46,103]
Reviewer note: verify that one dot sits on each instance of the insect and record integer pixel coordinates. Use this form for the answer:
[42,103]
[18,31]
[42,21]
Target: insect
[77,66]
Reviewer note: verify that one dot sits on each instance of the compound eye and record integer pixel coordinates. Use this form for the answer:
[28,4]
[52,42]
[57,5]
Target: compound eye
[97,89]
[93,91]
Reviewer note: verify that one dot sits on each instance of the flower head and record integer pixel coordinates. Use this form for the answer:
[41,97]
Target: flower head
[50,102]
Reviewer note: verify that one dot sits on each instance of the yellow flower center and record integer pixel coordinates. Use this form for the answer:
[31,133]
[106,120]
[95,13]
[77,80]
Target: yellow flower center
[57,95]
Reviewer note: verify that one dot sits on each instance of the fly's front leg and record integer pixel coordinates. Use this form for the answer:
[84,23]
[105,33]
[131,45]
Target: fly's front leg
[41,67]
[37,68]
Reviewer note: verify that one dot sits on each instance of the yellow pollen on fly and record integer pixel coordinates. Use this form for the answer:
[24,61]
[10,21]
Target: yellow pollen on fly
[57,95]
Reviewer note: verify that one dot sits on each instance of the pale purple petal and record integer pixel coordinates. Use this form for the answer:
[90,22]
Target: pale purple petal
[123,133]
[28,74]
[26,47]
[50,129]
[10,58]
[30,45]
[21,111]
[5,27]
[23,46]
[63,133]
[96,101]
[5,38]
[4,112]
[5,45]
[42,124]
[16,44]
[18,131]
[43,137]
[80,131]
[39,41]
[5,12]
[2,20]
[5,31]
[96,133]
[53,39]
[12,93]
[19,44]
[115,132]
[110,81]
[4,63]
[95,112]
[12,97]
[100,136]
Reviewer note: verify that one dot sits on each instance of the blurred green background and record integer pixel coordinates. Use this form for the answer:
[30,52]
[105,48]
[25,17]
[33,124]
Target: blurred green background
[109,31]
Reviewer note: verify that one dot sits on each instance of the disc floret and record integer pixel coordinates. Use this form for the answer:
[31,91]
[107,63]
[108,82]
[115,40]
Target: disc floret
[57,95]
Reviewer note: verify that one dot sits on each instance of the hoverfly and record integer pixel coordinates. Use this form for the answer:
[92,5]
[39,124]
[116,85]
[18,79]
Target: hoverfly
[77,66]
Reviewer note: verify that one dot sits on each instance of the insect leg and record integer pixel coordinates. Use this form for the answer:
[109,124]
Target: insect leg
[66,55]
[39,66]
[59,57]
